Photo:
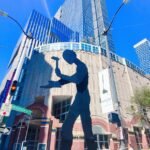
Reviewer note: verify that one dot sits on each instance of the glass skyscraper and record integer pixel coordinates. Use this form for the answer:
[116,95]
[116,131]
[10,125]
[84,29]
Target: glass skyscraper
[143,53]
[89,18]
[43,31]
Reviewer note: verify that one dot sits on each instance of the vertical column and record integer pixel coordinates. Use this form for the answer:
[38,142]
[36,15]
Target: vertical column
[132,141]
[53,139]
[144,140]
[43,134]
[111,146]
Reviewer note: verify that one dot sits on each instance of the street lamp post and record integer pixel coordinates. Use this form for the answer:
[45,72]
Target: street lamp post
[4,14]
[28,35]
[104,33]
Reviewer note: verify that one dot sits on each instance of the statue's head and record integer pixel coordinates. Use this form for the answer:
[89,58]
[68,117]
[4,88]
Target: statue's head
[69,56]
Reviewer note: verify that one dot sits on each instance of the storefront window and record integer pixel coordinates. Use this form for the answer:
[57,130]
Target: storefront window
[147,132]
[102,141]
[138,136]
[61,108]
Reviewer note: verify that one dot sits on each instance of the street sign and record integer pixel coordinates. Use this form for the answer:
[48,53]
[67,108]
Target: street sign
[5,130]
[21,109]
[5,109]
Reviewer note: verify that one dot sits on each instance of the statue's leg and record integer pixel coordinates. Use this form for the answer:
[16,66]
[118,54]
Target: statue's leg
[87,128]
[66,132]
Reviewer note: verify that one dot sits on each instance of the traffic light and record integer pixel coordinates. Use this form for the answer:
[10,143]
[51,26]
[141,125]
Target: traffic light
[114,118]
[13,87]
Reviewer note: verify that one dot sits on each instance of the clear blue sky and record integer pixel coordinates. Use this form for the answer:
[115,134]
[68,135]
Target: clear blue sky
[131,25]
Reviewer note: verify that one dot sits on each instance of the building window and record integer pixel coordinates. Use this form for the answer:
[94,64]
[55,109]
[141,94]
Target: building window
[76,46]
[33,133]
[88,48]
[113,57]
[41,146]
[125,134]
[103,52]
[102,141]
[32,139]
[147,132]
[67,46]
[61,107]
[138,136]
[83,46]
[95,50]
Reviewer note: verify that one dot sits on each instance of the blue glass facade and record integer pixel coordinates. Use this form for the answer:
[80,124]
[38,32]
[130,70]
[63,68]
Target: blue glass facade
[89,18]
[143,53]
[43,31]
[100,23]
[48,31]
[62,33]
[77,15]
[88,26]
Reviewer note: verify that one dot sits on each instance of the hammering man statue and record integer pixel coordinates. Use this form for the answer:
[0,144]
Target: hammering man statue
[81,102]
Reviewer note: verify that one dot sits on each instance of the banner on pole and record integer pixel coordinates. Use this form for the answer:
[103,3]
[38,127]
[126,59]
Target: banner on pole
[105,91]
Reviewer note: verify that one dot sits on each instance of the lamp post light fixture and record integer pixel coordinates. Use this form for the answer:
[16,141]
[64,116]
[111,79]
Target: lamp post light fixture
[4,14]
[119,8]
[28,36]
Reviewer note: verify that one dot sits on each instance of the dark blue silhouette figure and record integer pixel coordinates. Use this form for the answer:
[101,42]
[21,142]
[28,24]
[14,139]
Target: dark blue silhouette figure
[81,102]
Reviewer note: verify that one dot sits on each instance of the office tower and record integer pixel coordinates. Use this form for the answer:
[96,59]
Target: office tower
[143,53]
[89,18]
